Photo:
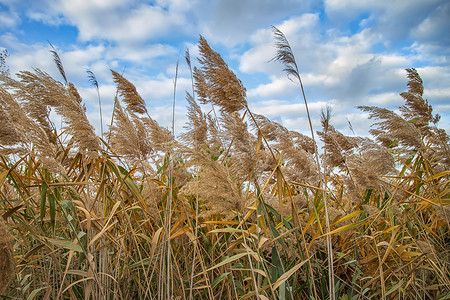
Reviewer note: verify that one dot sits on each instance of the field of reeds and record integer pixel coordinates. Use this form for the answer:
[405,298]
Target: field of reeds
[236,207]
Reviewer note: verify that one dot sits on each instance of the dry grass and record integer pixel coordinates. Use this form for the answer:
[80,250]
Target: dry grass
[237,207]
[7,264]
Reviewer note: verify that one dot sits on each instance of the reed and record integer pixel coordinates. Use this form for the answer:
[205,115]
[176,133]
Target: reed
[236,207]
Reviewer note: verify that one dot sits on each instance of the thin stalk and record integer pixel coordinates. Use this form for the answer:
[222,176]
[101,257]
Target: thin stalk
[286,56]
[170,196]
[194,255]
[249,257]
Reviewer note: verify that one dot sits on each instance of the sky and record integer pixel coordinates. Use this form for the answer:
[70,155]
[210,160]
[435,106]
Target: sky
[349,52]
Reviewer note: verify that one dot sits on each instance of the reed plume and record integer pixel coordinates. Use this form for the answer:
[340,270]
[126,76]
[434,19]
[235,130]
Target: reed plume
[130,96]
[240,142]
[10,135]
[296,150]
[129,136]
[66,101]
[368,163]
[215,185]
[416,109]
[413,128]
[132,135]
[216,83]
[285,55]
[20,134]
[35,108]
[337,147]
[361,159]
[93,81]
[161,138]
[197,126]
[393,129]
[58,62]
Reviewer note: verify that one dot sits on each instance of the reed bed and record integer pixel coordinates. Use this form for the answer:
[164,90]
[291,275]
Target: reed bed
[236,207]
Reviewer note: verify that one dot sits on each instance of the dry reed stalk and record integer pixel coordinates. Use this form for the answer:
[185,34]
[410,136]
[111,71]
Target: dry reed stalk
[7,263]
[212,167]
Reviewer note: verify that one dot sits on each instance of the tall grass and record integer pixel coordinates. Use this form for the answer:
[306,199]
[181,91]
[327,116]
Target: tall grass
[236,207]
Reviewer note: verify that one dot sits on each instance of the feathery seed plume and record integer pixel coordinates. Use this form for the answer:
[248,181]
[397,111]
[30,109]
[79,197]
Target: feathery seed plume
[197,128]
[216,83]
[285,54]
[58,62]
[127,90]
[129,138]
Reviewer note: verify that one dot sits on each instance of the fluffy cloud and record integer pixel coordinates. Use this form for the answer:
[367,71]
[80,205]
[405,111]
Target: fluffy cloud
[25,57]
[354,66]
[8,18]
[349,52]
[121,21]
[279,86]
[113,20]
[230,22]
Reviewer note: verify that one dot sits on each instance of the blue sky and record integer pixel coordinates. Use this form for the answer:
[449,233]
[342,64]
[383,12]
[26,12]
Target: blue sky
[350,52]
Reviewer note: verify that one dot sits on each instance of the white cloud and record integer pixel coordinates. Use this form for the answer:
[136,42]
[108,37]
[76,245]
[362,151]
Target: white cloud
[434,29]
[349,52]
[387,100]
[231,22]
[141,54]
[176,5]
[331,65]
[256,58]
[158,90]
[295,25]
[283,108]
[300,32]
[115,20]
[349,9]
[438,97]
[336,65]
[121,22]
[24,57]
[77,60]
[9,18]
[163,115]
[279,87]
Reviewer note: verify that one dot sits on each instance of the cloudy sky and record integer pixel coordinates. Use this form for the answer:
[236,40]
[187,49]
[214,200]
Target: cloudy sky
[350,52]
